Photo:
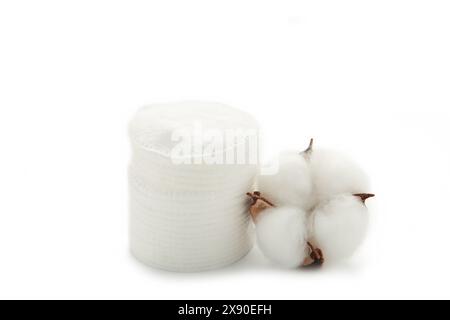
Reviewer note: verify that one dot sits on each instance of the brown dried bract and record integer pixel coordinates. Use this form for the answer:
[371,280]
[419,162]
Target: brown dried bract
[259,204]
[364,196]
[315,259]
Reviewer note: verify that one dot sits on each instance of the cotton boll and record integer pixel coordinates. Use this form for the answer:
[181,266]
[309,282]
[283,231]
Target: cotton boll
[281,234]
[334,174]
[340,226]
[291,184]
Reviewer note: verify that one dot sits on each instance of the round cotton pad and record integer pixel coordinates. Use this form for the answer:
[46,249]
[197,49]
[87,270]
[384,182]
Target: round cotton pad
[191,165]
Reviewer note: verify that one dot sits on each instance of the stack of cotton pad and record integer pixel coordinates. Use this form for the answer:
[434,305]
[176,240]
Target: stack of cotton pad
[188,212]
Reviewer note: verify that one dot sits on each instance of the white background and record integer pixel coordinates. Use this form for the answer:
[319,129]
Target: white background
[371,78]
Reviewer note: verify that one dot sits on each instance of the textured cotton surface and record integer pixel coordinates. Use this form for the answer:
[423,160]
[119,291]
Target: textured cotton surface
[153,126]
[291,185]
[281,234]
[340,226]
[187,217]
[334,173]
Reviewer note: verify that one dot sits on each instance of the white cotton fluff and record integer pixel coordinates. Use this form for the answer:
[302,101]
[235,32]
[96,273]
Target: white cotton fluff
[340,226]
[334,174]
[282,234]
[291,185]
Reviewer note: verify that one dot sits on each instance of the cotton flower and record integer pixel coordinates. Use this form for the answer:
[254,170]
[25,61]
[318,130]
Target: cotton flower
[314,205]
[281,234]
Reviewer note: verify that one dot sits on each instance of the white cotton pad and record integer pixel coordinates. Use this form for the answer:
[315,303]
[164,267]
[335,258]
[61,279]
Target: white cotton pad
[158,127]
[234,182]
[191,165]
[184,201]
